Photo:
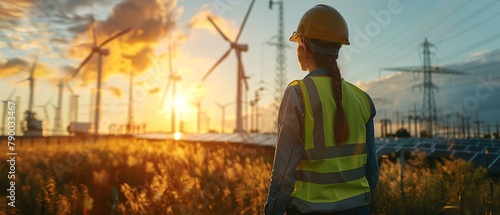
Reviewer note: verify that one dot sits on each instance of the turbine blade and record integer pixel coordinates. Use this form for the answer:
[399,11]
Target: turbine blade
[70,89]
[244,78]
[11,94]
[244,21]
[115,36]
[46,114]
[165,94]
[216,64]
[23,80]
[218,29]
[49,102]
[74,73]
[32,71]
[93,31]
[241,71]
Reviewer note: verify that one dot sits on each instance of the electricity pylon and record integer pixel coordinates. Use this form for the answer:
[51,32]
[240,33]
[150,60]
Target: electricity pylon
[429,101]
[280,55]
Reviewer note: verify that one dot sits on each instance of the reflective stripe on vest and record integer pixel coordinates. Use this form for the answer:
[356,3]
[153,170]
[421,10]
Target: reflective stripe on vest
[330,176]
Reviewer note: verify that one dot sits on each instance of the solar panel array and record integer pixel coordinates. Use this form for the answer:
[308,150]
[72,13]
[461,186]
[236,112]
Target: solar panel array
[255,139]
[481,152]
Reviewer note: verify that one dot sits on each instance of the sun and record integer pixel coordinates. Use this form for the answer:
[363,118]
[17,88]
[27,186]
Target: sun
[180,103]
[177,135]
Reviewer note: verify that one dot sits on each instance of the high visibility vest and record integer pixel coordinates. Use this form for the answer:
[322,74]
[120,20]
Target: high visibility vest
[330,176]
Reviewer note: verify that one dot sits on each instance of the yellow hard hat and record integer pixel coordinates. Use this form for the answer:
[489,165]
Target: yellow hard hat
[324,23]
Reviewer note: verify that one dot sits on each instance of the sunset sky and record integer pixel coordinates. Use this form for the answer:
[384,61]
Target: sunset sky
[383,33]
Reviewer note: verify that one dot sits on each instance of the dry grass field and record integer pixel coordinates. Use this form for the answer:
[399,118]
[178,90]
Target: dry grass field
[120,175]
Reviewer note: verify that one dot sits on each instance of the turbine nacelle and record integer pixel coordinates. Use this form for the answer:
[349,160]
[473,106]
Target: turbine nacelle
[101,51]
[239,46]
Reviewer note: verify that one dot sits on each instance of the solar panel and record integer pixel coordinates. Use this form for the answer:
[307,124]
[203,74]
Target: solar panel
[480,159]
[495,164]
[464,155]
[441,146]
[494,149]
[476,148]
[470,149]
[460,147]
[441,153]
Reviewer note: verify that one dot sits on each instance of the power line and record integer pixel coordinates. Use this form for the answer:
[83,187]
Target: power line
[410,30]
[482,42]
[413,32]
[470,28]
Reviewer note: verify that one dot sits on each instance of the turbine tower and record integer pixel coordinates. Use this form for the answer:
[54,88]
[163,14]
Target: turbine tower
[33,126]
[241,76]
[429,101]
[4,116]
[58,124]
[58,127]
[173,78]
[100,51]
[280,55]
[130,117]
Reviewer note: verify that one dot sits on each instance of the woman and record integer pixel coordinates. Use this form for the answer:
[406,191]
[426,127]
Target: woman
[325,160]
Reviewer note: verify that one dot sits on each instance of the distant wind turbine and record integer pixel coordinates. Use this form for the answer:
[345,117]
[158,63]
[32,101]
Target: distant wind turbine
[33,126]
[45,109]
[173,78]
[100,51]
[4,116]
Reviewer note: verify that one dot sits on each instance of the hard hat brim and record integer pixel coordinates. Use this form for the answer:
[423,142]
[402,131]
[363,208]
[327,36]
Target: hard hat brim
[295,37]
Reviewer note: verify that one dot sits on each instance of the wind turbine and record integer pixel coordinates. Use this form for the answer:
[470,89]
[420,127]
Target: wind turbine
[31,79]
[100,51]
[5,110]
[223,109]
[45,109]
[241,77]
[130,120]
[172,79]
[58,119]
[58,127]
[33,126]
[197,104]
[73,104]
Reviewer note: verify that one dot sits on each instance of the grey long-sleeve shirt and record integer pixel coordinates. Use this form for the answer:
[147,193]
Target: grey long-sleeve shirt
[290,147]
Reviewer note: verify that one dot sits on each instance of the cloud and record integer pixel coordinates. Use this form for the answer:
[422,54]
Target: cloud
[17,66]
[154,90]
[12,66]
[480,53]
[115,91]
[69,6]
[59,40]
[13,10]
[200,20]
[151,21]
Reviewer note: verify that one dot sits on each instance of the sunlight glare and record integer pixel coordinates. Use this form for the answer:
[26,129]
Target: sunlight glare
[177,135]
[180,102]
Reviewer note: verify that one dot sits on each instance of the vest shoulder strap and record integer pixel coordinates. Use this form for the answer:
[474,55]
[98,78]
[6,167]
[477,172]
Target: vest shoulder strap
[293,83]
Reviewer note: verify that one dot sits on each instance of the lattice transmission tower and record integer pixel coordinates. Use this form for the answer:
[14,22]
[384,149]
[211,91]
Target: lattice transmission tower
[280,78]
[429,115]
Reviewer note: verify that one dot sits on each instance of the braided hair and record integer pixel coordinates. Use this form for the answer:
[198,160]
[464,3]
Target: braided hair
[325,55]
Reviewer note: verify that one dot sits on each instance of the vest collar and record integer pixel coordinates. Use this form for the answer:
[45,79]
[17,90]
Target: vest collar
[318,72]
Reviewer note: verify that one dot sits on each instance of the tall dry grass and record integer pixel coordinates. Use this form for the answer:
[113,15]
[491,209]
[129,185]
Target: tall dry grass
[118,175]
